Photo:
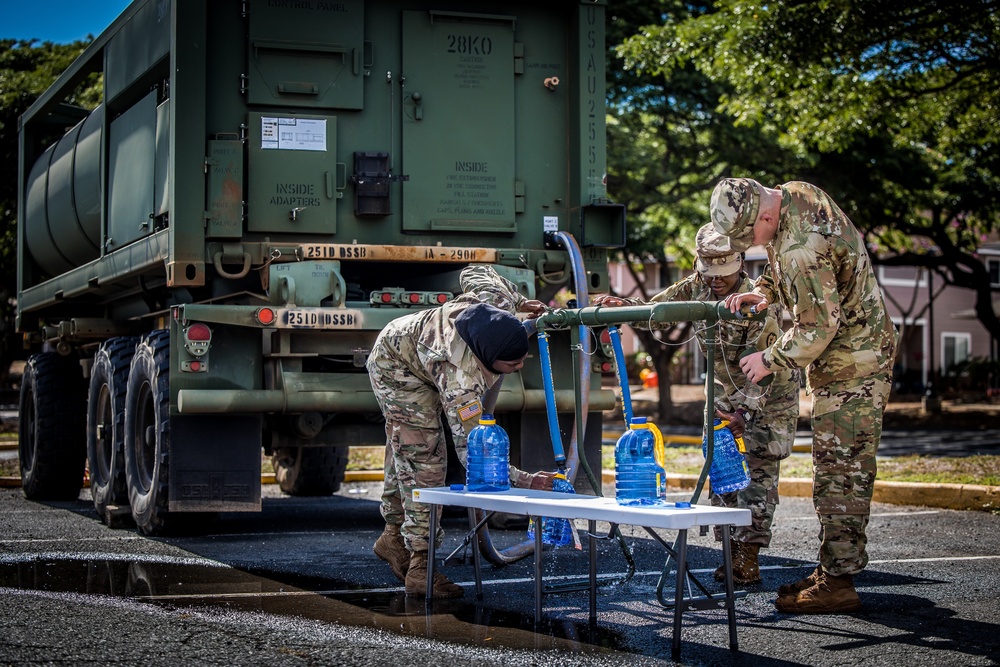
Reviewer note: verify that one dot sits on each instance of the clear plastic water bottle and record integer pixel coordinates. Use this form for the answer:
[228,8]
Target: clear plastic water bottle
[729,467]
[639,475]
[488,457]
[558,532]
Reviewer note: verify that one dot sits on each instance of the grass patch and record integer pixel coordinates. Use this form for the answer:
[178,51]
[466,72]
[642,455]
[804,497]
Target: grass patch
[366,458]
[978,469]
[10,468]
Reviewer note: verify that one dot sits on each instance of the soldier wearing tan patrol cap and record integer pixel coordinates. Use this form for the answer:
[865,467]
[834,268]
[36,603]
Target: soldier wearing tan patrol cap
[764,417]
[843,338]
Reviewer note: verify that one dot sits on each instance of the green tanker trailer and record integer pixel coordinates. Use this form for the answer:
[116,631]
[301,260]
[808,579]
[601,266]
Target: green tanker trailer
[206,258]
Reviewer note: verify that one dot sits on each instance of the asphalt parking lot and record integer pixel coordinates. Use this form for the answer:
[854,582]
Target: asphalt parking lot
[298,584]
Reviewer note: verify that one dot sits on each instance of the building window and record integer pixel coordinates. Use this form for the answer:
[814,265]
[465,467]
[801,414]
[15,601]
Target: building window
[955,349]
[901,276]
[993,267]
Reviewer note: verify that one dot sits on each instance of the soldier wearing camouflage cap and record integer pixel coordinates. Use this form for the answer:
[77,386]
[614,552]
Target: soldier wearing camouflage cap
[842,336]
[428,363]
[764,417]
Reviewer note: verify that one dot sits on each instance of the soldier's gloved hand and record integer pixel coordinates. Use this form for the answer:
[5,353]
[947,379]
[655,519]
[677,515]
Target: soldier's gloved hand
[542,481]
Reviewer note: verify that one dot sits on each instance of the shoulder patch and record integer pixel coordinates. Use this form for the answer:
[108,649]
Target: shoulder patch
[470,411]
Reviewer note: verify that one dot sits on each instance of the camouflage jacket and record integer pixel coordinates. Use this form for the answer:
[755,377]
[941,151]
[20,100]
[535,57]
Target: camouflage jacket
[822,273]
[425,339]
[733,391]
[427,344]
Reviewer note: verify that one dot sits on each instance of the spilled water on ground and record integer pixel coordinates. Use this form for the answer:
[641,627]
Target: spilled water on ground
[182,582]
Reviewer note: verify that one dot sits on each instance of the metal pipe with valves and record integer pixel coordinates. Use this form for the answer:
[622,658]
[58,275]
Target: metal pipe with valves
[675,311]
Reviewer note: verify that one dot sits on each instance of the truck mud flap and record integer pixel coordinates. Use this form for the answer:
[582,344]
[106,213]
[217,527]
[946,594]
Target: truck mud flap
[215,463]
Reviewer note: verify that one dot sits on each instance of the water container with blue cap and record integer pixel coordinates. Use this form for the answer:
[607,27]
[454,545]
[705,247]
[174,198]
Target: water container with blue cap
[729,467]
[640,478]
[559,532]
[487,464]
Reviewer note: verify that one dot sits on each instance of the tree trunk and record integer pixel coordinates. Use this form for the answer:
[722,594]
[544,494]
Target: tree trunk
[662,356]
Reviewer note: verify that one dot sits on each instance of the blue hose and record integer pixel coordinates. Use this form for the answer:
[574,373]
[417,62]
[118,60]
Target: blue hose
[616,345]
[550,399]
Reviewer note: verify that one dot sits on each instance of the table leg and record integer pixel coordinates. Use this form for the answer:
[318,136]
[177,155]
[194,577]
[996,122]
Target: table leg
[538,569]
[592,546]
[476,560]
[681,548]
[727,559]
[430,554]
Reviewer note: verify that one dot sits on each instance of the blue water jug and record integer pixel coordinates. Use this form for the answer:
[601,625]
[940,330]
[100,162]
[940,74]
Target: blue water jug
[488,457]
[729,467]
[558,532]
[639,475]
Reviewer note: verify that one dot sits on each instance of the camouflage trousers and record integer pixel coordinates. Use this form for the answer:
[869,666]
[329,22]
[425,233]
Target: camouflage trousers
[768,441]
[847,427]
[416,454]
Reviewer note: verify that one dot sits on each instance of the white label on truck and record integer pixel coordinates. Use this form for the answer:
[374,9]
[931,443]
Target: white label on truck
[393,253]
[318,318]
[293,134]
[550,223]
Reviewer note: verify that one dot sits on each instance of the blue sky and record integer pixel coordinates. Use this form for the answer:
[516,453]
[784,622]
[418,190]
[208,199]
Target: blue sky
[57,21]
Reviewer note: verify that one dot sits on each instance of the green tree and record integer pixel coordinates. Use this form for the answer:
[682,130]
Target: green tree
[27,68]
[890,105]
[667,147]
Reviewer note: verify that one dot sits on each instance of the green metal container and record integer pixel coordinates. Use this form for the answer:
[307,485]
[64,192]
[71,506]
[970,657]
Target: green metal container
[264,186]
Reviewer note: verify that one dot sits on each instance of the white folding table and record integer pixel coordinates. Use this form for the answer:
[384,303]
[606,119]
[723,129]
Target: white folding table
[537,504]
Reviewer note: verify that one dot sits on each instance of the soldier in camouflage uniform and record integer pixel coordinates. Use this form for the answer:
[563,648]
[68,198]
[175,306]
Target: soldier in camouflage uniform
[440,360]
[842,336]
[765,418]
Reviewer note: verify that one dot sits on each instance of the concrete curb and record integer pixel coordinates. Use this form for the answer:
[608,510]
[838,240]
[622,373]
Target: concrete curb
[946,496]
[349,476]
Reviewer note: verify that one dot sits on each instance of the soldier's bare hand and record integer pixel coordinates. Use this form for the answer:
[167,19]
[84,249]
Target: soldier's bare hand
[737,425]
[753,367]
[542,481]
[533,307]
[736,301]
[608,301]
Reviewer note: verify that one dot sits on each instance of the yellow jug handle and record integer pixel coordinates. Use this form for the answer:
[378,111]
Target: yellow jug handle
[740,445]
[659,453]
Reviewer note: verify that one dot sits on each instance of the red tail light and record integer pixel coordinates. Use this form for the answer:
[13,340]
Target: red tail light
[265,316]
[199,332]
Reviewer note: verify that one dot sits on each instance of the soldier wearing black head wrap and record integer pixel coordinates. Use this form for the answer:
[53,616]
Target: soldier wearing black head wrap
[440,360]
[492,334]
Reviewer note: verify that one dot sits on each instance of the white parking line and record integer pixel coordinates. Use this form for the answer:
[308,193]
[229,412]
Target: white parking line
[812,517]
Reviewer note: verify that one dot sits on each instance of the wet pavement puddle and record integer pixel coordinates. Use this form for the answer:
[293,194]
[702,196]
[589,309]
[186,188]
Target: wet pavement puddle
[180,583]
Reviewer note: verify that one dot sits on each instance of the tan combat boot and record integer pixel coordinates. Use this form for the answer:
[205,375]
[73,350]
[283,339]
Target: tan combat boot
[745,567]
[391,548]
[416,580]
[800,585]
[829,595]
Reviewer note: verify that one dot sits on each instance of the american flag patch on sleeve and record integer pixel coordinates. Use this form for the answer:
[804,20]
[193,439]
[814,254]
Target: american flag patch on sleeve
[470,411]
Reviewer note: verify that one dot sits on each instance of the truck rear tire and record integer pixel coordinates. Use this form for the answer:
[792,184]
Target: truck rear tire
[147,432]
[310,471]
[106,423]
[52,428]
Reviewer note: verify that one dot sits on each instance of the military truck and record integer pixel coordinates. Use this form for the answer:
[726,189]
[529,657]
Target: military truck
[206,257]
